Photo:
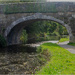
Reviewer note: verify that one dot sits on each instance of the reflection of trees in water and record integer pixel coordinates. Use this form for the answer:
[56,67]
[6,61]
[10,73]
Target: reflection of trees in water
[18,60]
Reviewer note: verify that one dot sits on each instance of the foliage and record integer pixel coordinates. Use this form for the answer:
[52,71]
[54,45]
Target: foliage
[41,27]
[44,55]
[61,61]
[64,39]
[65,31]
[2,41]
[39,39]
[23,37]
[73,44]
[39,49]
[54,34]
[44,30]
[60,30]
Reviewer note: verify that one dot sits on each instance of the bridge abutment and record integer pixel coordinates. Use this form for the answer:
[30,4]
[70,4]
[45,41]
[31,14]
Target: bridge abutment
[72,39]
[72,26]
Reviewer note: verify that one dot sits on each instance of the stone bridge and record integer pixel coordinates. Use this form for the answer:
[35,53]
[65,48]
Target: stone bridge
[12,22]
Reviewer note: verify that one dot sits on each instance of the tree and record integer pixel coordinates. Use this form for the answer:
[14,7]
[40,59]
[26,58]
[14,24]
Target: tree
[40,28]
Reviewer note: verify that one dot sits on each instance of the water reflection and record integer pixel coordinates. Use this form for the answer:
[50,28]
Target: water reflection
[18,48]
[18,59]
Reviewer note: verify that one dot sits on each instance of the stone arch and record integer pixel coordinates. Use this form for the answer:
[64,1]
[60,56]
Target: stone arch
[37,16]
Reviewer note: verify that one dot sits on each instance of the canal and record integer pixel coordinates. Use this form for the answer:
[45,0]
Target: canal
[20,59]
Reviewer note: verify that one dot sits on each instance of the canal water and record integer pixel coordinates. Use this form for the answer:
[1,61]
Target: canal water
[18,59]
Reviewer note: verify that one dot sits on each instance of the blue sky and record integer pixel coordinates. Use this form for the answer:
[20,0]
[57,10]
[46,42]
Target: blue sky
[61,0]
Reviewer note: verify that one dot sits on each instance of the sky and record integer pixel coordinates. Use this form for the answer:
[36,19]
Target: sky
[61,0]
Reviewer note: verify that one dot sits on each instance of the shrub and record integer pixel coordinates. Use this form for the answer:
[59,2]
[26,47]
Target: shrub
[2,41]
[54,34]
[39,49]
[24,37]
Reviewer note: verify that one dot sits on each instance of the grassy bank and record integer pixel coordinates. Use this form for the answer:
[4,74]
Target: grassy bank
[61,61]
[64,39]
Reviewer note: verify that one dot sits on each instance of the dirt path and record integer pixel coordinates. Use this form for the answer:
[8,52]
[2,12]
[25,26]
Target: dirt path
[67,47]
[63,44]
[39,43]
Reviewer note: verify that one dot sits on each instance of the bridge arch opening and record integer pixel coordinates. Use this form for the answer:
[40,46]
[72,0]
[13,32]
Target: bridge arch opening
[11,33]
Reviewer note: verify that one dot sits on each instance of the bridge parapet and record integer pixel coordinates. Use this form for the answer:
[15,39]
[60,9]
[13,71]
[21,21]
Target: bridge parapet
[46,7]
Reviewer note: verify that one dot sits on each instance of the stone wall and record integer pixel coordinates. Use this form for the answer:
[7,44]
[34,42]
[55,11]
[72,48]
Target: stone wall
[47,7]
[6,20]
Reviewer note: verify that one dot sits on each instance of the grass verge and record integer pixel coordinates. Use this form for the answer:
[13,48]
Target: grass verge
[64,39]
[61,61]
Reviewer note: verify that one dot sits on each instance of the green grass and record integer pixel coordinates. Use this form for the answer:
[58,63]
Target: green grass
[64,39]
[73,44]
[61,61]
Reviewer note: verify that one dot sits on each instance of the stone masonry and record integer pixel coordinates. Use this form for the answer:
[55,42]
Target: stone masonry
[11,25]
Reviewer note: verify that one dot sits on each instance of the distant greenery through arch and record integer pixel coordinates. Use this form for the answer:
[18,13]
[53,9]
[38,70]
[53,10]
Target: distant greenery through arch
[43,31]
[24,37]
